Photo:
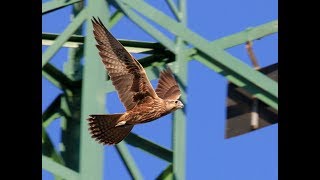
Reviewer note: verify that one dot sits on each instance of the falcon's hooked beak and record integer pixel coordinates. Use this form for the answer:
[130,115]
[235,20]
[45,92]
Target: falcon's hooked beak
[180,105]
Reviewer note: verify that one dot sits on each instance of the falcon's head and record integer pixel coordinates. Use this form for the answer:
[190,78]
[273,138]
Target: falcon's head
[172,105]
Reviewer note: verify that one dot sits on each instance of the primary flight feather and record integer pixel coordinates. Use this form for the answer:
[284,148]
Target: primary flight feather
[143,103]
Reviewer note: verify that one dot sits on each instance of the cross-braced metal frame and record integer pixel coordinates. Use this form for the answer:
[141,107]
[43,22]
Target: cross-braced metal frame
[84,88]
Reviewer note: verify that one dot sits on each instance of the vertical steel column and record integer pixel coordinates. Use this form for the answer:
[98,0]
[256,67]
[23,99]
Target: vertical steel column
[93,96]
[73,68]
[70,105]
[179,117]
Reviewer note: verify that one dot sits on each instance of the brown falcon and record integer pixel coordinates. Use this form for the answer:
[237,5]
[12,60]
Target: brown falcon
[143,103]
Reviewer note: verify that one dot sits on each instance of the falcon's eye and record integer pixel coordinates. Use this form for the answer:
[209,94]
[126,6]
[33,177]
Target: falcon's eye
[176,102]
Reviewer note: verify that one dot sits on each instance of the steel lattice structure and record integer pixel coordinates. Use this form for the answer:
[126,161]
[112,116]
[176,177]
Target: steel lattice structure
[84,88]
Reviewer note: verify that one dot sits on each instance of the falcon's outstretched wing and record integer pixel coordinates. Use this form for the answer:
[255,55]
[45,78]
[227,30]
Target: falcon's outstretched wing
[167,86]
[126,73]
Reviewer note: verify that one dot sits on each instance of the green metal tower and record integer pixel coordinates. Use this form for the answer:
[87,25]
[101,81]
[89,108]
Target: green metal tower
[84,86]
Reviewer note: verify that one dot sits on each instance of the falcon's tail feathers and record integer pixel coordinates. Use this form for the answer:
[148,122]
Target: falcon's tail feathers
[102,128]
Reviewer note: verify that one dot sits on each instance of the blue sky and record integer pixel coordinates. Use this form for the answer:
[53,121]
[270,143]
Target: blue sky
[209,156]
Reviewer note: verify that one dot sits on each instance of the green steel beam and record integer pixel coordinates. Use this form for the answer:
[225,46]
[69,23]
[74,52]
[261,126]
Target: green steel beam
[179,117]
[183,11]
[146,47]
[50,52]
[247,35]
[174,9]
[164,40]
[148,146]
[56,4]
[142,44]
[166,174]
[128,161]
[260,82]
[52,112]
[58,169]
[58,78]
[126,43]
[151,62]
[48,148]
[157,59]
[93,96]
[65,105]
[80,39]
[130,45]
[51,118]
[243,36]
[115,17]
[73,41]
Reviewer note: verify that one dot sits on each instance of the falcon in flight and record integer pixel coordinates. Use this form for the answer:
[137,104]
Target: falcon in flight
[143,103]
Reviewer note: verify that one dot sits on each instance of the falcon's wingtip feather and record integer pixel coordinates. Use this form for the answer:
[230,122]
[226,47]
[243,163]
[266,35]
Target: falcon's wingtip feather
[100,20]
[93,20]
[96,20]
